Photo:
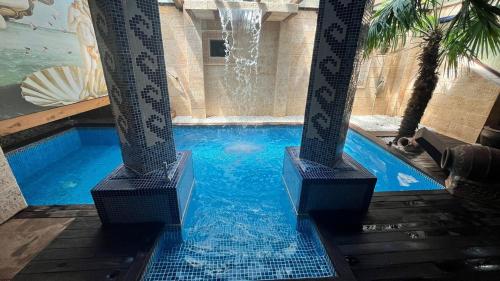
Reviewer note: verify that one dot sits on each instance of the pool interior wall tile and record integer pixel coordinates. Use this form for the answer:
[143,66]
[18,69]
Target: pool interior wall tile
[28,160]
[408,177]
[98,136]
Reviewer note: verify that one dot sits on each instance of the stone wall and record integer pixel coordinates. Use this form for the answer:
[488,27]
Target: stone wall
[459,108]
[300,41]
[198,89]
[220,101]
[176,58]
[11,199]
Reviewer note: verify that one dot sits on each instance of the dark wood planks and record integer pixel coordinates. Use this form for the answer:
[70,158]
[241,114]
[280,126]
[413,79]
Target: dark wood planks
[420,235]
[86,250]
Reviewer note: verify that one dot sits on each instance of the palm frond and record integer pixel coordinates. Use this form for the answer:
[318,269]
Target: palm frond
[391,24]
[474,32]
[426,25]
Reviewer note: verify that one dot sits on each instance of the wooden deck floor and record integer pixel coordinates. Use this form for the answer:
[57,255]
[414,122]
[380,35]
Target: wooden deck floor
[420,235]
[414,235]
[87,251]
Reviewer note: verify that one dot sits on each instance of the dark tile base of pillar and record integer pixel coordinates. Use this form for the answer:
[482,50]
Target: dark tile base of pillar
[314,187]
[125,197]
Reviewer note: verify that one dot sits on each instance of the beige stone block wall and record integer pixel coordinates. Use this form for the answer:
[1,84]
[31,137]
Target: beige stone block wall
[459,107]
[176,59]
[11,198]
[301,34]
[222,100]
[195,66]
[198,89]
[375,78]
[282,70]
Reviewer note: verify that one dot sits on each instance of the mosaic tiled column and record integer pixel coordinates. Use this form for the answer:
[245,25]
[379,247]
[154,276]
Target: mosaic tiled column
[321,177]
[340,34]
[129,39]
[155,183]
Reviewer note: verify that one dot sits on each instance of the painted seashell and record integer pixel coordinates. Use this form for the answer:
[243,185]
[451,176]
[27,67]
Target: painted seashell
[62,85]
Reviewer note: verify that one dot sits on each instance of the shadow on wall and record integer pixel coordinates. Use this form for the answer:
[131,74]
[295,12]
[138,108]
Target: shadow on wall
[461,106]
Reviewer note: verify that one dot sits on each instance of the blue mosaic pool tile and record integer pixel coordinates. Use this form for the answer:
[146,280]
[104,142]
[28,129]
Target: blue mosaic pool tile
[160,196]
[28,160]
[178,258]
[315,187]
[365,150]
[98,136]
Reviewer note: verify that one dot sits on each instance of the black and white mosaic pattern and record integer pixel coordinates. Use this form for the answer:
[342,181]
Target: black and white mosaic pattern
[129,38]
[340,34]
[125,197]
[312,186]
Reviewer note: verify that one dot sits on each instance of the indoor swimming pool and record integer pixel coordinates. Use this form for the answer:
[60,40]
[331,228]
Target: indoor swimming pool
[240,223]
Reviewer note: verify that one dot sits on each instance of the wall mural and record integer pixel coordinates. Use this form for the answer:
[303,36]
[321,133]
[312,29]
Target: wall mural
[48,56]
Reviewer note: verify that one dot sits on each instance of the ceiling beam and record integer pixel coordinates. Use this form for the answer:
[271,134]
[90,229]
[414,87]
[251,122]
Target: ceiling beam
[289,17]
[266,16]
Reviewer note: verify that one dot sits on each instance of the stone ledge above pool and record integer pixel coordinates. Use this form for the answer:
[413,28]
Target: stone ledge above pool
[314,187]
[160,196]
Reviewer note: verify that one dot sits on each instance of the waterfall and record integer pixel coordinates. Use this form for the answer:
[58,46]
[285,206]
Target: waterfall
[241,28]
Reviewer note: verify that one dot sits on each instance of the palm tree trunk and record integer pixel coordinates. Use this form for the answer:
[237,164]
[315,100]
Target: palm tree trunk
[424,86]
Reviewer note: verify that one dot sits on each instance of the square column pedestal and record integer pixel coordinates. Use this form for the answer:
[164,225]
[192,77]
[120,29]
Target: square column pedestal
[315,187]
[159,196]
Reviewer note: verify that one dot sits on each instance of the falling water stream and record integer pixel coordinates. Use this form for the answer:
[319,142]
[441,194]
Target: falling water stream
[241,31]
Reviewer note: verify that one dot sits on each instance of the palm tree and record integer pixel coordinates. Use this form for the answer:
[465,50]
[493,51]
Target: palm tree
[474,31]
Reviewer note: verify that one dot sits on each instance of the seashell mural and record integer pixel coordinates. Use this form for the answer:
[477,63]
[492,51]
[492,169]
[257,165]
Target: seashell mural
[63,85]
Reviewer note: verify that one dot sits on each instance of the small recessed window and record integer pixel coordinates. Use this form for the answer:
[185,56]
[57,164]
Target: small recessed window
[217,48]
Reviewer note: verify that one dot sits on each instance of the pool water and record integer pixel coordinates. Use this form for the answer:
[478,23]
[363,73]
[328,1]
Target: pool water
[63,168]
[240,224]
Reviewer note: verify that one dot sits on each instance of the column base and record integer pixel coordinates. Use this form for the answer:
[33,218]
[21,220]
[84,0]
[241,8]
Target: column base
[125,197]
[314,187]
